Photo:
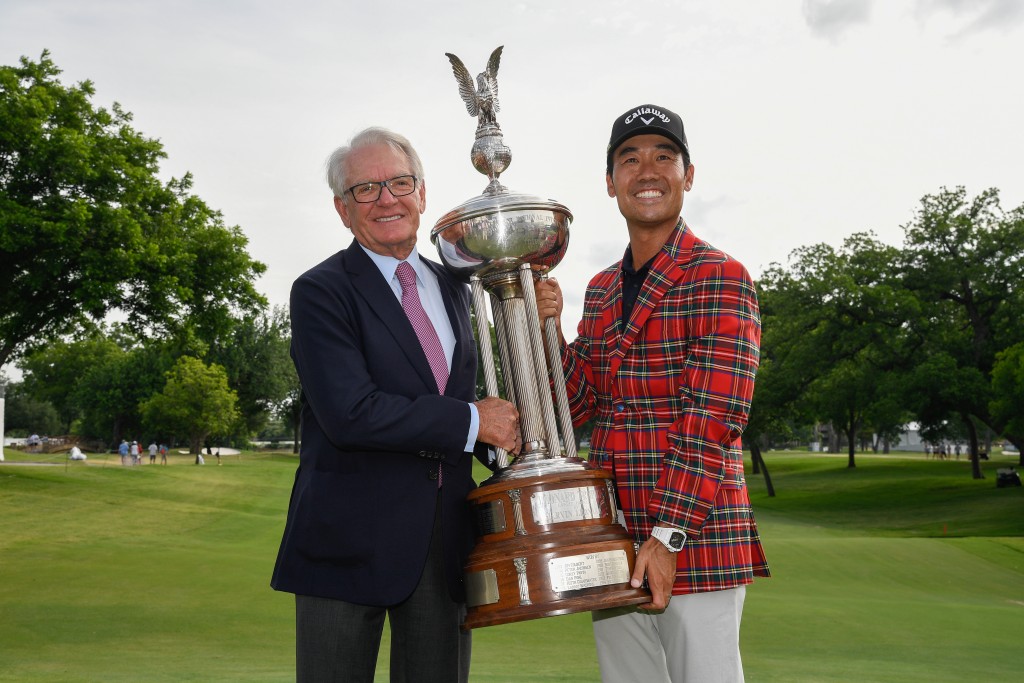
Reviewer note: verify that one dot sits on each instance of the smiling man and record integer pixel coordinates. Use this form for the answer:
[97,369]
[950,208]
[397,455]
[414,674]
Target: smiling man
[377,524]
[665,359]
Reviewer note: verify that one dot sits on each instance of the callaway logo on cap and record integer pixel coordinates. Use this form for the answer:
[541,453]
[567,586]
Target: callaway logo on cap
[647,118]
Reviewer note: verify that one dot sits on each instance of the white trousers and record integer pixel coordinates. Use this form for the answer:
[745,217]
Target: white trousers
[695,640]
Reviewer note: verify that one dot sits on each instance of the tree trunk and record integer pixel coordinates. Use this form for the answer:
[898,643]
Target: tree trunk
[195,445]
[852,438]
[760,465]
[972,433]
[117,432]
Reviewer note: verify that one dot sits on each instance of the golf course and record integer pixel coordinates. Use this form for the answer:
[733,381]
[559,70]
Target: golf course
[901,569]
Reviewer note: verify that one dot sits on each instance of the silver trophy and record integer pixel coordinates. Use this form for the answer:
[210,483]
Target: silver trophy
[550,541]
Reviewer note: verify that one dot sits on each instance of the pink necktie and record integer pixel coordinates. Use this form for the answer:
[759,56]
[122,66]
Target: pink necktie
[421,323]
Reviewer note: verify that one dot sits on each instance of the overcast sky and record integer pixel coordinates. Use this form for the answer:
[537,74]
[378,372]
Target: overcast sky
[808,120]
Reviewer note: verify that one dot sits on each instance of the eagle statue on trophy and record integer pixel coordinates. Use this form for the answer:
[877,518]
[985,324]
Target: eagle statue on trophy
[490,155]
[481,99]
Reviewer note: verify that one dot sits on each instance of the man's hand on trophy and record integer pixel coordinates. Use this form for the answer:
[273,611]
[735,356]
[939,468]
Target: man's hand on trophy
[499,424]
[549,300]
[659,565]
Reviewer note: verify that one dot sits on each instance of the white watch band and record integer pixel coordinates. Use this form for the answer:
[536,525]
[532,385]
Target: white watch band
[671,538]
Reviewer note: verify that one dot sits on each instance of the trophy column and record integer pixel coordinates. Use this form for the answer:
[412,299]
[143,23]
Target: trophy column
[549,542]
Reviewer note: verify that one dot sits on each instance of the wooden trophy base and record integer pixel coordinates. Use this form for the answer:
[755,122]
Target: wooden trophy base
[550,544]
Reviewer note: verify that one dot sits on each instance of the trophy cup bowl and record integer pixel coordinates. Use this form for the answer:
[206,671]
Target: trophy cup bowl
[499,232]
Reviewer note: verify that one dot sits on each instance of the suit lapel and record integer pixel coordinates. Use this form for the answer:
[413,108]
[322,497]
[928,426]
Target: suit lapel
[377,293]
[666,270]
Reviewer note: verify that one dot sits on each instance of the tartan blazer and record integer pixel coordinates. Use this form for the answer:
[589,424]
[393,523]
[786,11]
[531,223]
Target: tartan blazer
[671,393]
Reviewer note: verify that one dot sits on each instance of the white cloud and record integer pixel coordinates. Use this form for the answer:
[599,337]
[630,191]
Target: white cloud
[968,17]
[832,18]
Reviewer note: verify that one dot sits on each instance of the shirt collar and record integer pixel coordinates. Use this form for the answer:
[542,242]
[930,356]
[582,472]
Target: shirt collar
[388,264]
[627,263]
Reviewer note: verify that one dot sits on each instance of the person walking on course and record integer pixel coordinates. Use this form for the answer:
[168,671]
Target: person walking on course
[123,451]
[378,524]
[665,359]
[153,448]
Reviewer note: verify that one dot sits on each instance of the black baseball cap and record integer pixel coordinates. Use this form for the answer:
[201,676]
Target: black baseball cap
[647,118]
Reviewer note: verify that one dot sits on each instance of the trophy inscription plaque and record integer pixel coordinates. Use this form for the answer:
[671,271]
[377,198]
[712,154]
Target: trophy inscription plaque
[549,538]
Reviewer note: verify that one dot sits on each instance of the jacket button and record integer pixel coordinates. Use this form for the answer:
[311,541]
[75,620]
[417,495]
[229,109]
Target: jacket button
[432,474]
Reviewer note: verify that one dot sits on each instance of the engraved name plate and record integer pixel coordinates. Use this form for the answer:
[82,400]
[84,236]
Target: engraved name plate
[569,505]
[490,517]
[481,588]
[577,572]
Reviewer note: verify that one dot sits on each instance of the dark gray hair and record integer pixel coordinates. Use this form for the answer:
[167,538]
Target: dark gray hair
[336,163]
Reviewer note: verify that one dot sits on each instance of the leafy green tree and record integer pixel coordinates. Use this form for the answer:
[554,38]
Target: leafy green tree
[87,227]
[195,403]
[256,358]
[110,392]
[53,372]
[25,414]
[963,260]
[831,333]
[888,415]
[1008,394]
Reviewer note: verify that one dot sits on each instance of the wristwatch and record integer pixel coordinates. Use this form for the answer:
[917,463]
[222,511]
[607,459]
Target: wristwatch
[673,539]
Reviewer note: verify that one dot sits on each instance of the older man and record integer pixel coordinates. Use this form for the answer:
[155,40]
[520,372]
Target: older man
[377,523]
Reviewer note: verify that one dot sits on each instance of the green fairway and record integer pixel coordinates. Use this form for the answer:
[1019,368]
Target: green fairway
[901,569]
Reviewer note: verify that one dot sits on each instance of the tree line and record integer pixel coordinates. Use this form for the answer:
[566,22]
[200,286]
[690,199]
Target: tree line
[869,337]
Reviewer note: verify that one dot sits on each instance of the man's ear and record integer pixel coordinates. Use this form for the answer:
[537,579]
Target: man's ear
[611,187]
[422,194]
[342,208]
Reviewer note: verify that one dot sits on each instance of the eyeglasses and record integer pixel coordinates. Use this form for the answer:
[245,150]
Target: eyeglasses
[399,186]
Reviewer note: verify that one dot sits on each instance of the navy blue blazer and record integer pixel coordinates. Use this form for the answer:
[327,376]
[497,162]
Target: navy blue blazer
[374,431]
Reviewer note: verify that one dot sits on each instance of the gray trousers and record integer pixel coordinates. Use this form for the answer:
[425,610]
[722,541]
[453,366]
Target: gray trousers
[696,639]
[338,641]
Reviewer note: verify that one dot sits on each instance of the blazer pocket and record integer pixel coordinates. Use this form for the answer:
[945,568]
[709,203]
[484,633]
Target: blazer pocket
[733,476]
[331,519]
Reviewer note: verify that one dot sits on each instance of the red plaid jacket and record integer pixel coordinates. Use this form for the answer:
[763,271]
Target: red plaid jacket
[671,393]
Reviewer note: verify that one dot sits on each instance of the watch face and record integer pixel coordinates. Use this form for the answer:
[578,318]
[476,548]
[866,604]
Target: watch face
[677,540]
